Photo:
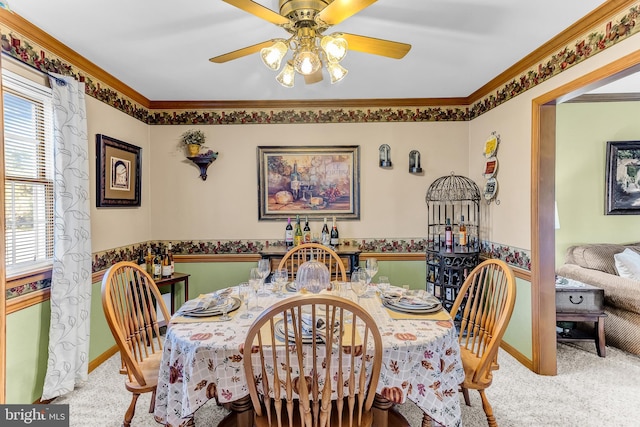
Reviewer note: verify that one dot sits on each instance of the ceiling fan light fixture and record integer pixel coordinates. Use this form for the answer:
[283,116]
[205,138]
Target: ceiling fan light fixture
[336,71]
[335,47]
[287,75]
[306,62]
[272,56]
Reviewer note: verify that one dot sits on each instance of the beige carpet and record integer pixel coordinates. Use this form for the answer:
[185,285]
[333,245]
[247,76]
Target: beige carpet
[588,391]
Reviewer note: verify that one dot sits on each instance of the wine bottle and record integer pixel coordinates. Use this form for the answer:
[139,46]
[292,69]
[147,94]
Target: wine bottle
[157,265]
[448,236]
[326,239]
[334,234]
[462,233]
[173,267]
[142,263]
[297,234]
[166,264]
[296,179]
[306,232]
[288,234]
[149,260]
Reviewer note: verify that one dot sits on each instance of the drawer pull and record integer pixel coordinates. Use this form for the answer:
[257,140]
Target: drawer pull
[573,302]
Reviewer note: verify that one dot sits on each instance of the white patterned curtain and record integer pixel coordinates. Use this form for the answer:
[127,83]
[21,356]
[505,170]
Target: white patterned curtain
[71,276]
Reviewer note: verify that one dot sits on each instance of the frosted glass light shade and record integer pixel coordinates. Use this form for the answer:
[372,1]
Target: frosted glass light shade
[335,47]
[272,56]
[336,72]
[287,75]
[306,62]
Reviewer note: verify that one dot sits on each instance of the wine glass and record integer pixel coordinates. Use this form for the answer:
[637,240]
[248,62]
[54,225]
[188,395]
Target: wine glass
[255,281]
[359,283]
[264,268]
[280,277]
[225,304]
[371,267]
[243,293]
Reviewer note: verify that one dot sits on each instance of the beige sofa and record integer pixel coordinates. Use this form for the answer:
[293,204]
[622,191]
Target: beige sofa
[594,264]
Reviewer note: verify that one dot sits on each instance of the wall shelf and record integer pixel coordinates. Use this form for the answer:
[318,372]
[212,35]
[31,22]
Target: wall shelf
[203,163]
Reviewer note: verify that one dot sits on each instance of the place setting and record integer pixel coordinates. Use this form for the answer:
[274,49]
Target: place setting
[406,304]
[208,308]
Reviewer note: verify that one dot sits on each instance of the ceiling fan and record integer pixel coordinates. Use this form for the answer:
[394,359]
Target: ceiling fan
[306,21]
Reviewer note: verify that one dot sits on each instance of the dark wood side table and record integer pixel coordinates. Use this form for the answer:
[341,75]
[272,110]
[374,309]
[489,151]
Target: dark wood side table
[580,302]
[171,281]
[350,256]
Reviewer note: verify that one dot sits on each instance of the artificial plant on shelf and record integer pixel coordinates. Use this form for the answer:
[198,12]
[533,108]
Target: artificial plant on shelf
[193,140]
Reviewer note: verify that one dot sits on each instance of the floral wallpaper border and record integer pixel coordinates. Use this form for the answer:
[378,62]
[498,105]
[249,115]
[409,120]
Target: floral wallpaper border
[595,40]
[516,257]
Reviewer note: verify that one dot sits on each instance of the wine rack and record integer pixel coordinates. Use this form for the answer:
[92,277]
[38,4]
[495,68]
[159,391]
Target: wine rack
[451,197]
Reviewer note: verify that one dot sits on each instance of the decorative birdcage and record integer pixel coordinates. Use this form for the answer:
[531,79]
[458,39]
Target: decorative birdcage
[453,202]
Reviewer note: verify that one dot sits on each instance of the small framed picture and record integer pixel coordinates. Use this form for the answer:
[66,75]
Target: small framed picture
[118,173]
[623,178]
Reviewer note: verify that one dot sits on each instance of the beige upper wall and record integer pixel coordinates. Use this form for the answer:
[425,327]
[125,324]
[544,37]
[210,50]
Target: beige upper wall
[510,222]
[225,206]
[114,227]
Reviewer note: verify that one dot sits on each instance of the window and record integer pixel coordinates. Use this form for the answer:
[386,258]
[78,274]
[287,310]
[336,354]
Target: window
[28,145]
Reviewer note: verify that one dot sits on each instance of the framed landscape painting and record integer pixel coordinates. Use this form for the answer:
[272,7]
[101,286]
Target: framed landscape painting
[623,178]
[118,173]
[313,181]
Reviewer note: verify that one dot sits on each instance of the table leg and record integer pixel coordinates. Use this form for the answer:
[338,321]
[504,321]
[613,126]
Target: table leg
[600,339]
[173,298]
[241,413]
[384,414]
[186,289]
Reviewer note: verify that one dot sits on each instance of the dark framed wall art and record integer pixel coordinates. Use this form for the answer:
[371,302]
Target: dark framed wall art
[623,178]
[313,181]
[118,174]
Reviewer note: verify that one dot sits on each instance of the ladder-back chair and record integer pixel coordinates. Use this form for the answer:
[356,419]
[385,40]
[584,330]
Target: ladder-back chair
[129,298]
[485,301]
[309,371]
[302,253]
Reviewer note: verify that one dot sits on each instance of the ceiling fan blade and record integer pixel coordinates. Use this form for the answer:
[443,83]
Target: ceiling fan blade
[230,56]
[259,11]
[339,10]
[313,78]
[375,46]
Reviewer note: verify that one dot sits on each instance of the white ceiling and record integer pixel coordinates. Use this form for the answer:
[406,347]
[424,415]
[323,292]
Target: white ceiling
[161,48]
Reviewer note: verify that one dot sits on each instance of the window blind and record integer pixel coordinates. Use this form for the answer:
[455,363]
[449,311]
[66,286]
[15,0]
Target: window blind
[28,152]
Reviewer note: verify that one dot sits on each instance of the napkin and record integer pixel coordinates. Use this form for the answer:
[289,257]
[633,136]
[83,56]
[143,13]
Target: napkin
[204,301]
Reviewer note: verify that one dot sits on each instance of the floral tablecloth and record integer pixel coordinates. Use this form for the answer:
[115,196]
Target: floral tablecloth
[421,362]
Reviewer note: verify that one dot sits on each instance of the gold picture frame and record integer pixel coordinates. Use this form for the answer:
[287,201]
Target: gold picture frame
[313,181]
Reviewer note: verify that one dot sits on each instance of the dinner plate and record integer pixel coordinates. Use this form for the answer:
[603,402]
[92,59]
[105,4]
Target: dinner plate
[414,303]
[214,311]
[278,329]
[411,310]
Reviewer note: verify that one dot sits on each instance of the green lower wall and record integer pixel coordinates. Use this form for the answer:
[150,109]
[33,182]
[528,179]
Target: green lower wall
[28,329]
[519,334]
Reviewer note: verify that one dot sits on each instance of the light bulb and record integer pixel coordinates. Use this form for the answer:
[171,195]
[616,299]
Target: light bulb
[306,62]
[335,47]
[287,75]
[272,56]
[336,71]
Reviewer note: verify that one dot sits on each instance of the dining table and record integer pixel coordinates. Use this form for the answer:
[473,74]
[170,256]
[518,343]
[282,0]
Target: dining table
[202,360]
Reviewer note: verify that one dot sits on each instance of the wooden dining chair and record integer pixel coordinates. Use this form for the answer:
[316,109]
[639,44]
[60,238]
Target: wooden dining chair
[298,392]
[302,253]
[483,307]
[129,298]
